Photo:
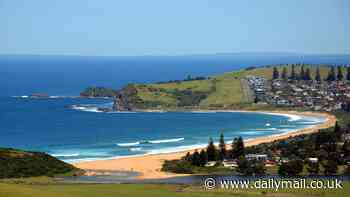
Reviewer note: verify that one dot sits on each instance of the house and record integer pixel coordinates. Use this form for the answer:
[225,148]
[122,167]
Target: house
[312,159]
[270,163]
[259,157]
[230,163]
[210,164]
[346,137]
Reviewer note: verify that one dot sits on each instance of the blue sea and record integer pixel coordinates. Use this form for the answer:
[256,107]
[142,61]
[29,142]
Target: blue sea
[83,134]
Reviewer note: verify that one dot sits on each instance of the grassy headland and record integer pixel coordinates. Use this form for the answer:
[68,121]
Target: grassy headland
[224,91]
[16,163]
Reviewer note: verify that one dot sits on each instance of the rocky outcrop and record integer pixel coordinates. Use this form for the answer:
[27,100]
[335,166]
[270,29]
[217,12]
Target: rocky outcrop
[121,103]
[126,99]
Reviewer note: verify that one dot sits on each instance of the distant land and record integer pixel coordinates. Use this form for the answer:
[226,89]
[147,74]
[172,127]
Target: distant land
[230,90]
[69,75]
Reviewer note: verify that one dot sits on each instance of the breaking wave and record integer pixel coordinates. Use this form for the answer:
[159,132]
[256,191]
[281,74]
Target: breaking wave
[66,155]
[128,144]
[150,142]
[166,140]
[86,108]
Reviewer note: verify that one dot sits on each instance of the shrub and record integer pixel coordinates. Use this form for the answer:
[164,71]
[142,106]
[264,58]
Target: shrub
[177,166]
[17,163]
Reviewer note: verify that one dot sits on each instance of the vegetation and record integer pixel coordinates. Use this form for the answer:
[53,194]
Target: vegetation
[17,163]
[225,91]
[153,190]
[98,92]
[222,148]
[328,147]
[195,163]
[237,149]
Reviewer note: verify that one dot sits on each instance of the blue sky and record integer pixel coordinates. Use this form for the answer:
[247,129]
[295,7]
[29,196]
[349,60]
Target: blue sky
[164,27]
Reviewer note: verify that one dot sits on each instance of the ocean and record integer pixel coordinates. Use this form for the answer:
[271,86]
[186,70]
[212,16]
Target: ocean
[83,134]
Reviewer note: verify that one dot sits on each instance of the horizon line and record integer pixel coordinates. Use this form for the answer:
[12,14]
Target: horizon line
[183,55]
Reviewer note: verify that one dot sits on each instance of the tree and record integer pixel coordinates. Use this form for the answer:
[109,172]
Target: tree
[346,148]
[196,159]
[244,166]
[331,74]
[259,167]
[282,170]
[222,148]
[347,170]
[203,157]
[211,151]
[284,73]
[346,107]
[337,130]
[330,167]
[293,75]
[348,74]
[313,168]
[302,73]
[318,75]
[188,157]
[256,99]
[275,74]
[291,168]
[340,75]
[237,148]
[307,75]
[177,166]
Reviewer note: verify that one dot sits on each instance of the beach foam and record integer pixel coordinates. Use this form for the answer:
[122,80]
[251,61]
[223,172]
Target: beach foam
[86,108]
[66,155]
[24,96]
[264,129]
[128,144]
[291,117]
[202,112]
[166,140]
[121,112]
[135,149]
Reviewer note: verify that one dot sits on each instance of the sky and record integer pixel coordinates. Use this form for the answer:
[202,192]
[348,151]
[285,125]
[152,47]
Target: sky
[164,27]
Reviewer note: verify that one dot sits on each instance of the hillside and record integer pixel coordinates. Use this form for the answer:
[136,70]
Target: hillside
[17,163]
[225,91]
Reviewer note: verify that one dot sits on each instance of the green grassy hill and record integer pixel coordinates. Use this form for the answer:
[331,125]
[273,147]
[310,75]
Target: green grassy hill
[17,163]
[223,91]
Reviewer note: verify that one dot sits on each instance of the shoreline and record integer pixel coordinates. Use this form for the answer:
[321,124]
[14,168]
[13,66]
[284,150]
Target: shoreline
[148,166]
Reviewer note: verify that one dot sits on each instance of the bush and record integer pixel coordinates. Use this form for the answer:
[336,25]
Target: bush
[177,166]
[98,92]
[292,168]
[17,164]
[330,167]
[250,167]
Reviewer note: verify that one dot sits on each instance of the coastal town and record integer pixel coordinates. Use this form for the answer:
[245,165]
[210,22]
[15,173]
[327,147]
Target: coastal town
[328,149]
[330,94]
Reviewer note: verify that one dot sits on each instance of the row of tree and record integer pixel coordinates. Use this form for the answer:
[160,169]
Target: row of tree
[212,153]
[305,74]
[322,145]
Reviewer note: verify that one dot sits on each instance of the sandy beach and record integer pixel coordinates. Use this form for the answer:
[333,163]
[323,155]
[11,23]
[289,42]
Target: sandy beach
[149,165]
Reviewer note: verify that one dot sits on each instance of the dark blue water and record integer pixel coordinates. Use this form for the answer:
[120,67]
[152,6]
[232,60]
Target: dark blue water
[68,75]
[83,134]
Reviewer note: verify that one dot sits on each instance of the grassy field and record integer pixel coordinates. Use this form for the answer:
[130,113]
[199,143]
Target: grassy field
[223,91]
[151,190]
